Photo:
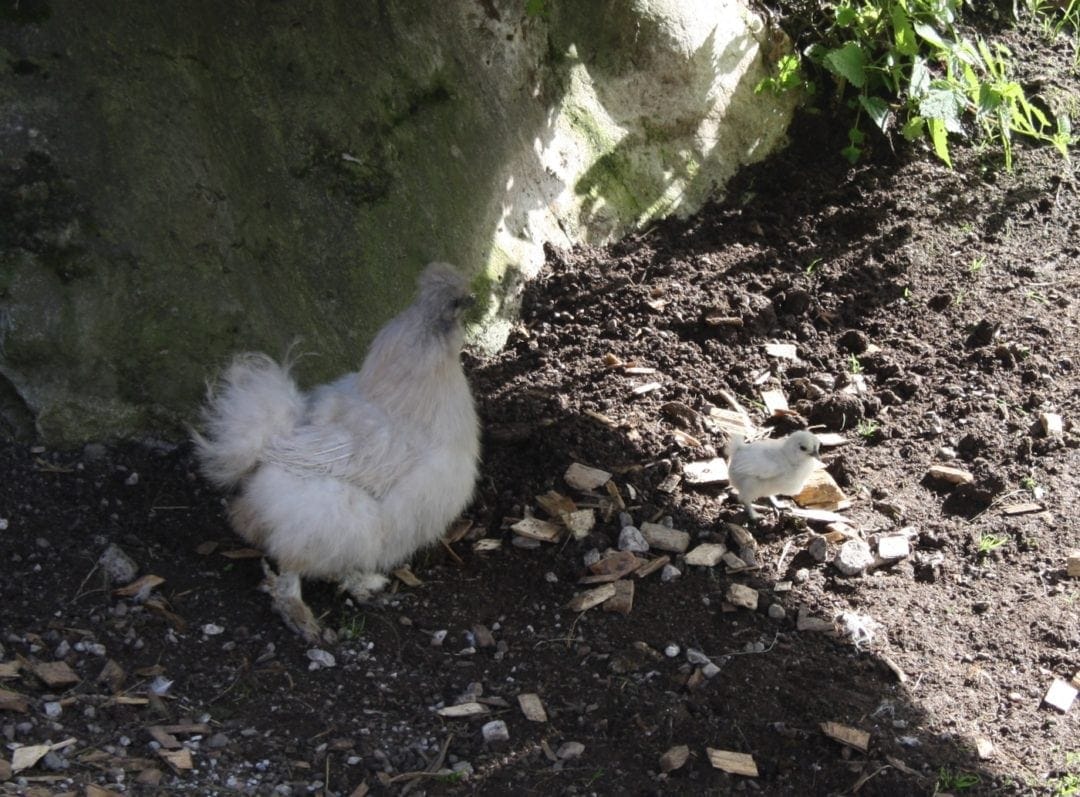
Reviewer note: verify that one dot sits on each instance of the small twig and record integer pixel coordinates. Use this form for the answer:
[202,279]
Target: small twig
[79,593]
[783,556]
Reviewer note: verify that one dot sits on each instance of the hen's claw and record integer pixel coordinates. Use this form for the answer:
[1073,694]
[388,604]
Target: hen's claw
[284,590]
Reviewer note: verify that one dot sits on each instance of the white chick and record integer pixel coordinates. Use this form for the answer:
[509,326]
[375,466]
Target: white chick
[771,467]
[350,480]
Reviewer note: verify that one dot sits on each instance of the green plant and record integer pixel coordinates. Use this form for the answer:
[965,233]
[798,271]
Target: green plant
[1068,784]
[353,628]
[854,366]
[1055,16]
[901,65]
[948,780]
[990,542]
[867,428]
[977,264]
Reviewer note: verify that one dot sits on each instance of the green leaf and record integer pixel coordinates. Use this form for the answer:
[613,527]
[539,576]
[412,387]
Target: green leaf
[942,103]
[920,78]
[927,32]
[877,109]
[849,62]
[852,153]
[940,137]
[903,33]
[913,128]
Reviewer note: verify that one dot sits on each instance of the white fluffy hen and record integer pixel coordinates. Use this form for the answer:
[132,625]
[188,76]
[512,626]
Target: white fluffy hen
[348,481]
[771,467]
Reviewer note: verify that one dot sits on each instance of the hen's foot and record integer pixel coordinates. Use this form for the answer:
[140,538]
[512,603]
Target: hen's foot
[363,585]
[284,590]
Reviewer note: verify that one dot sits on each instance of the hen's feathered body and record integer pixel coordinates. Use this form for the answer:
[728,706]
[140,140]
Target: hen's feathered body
[771,467]
[351,479]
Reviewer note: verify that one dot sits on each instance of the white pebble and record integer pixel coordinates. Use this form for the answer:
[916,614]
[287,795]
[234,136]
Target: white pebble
[321,658]
[671,651]
[495,732]
[53,710]
[568,751]
[118,566]
[438,638]
[212,629]
[670,573]
[631,539]
[853,557]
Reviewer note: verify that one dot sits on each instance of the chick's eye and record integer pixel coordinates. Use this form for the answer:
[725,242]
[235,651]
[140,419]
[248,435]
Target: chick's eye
[802,448]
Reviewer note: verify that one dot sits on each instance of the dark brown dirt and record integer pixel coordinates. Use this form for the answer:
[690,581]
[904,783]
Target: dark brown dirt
[804,250]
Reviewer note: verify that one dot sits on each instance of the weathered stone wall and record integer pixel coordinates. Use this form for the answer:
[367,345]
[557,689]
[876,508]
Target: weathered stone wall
[180,180]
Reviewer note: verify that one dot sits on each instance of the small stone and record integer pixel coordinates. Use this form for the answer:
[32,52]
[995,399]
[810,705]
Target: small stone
[54,762]
[671,651]
[707,554]
[741,595]
[438,637]
[132,479]
[674,758]
[853,557]
[710,670]
[946,452]
[1051,423]
[670,573]
[495,732]
[776,611]
[568,751]
[321,658]
[696,656]
[551,578]
[118,566]
[631,539]
[532,707]
[984,748]
[212,629]
[591,557]
[802,575]
[951,475]
[53,710]
[584,478]
[218,741]
[1072,567]
[818,549]
[664,538]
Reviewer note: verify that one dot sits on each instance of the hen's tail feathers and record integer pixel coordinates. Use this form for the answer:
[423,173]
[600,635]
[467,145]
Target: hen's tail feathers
[255,400]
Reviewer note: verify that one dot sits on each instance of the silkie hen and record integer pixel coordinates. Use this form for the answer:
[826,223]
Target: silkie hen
[771,467]
[348,481]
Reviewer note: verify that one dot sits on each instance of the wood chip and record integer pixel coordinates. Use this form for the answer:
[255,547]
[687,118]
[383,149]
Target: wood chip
[112,675]
[536,529]
[584,601]
[461,710]
[707,554]
[9,669]
[822,492]
[5,770]
[407,577]
[804,622]
[715,320]
[163,737]
[361,791]
[582,477]
[556,504]
[775,401]
[242,553]
[55,674]
[665,539]
[638,370]
[951,475]
[893,547]
[733,763]
[25,757]
[486,545]
[648,387]
[897,670]
[206,548]
[742,595]
[97,791]
[622,601]
[831,439]
[612,360]
[709,471]
[817,515]
[602,419]
[1021,509]
[531,707]
[179,760]
[685,439]
[618,563]
[984,748]
[140,586]
[852,737]
[613,491]
[782,351]
[1060,695]
[1051,423]
[1072,564]
[652,566]
[13,701]
[731,422]
[674,758]
[580,523]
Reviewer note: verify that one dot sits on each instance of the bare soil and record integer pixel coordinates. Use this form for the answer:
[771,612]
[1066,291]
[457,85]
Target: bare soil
[951,295]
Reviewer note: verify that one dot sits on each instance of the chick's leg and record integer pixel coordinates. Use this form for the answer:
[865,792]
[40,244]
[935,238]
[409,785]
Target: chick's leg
[362,585]
[284,589]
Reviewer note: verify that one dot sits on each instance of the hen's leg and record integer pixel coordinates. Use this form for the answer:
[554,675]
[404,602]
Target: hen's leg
[362,585]
[284,589]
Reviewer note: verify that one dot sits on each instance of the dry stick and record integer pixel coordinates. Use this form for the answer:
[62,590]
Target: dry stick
[783,556]
[432,770]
